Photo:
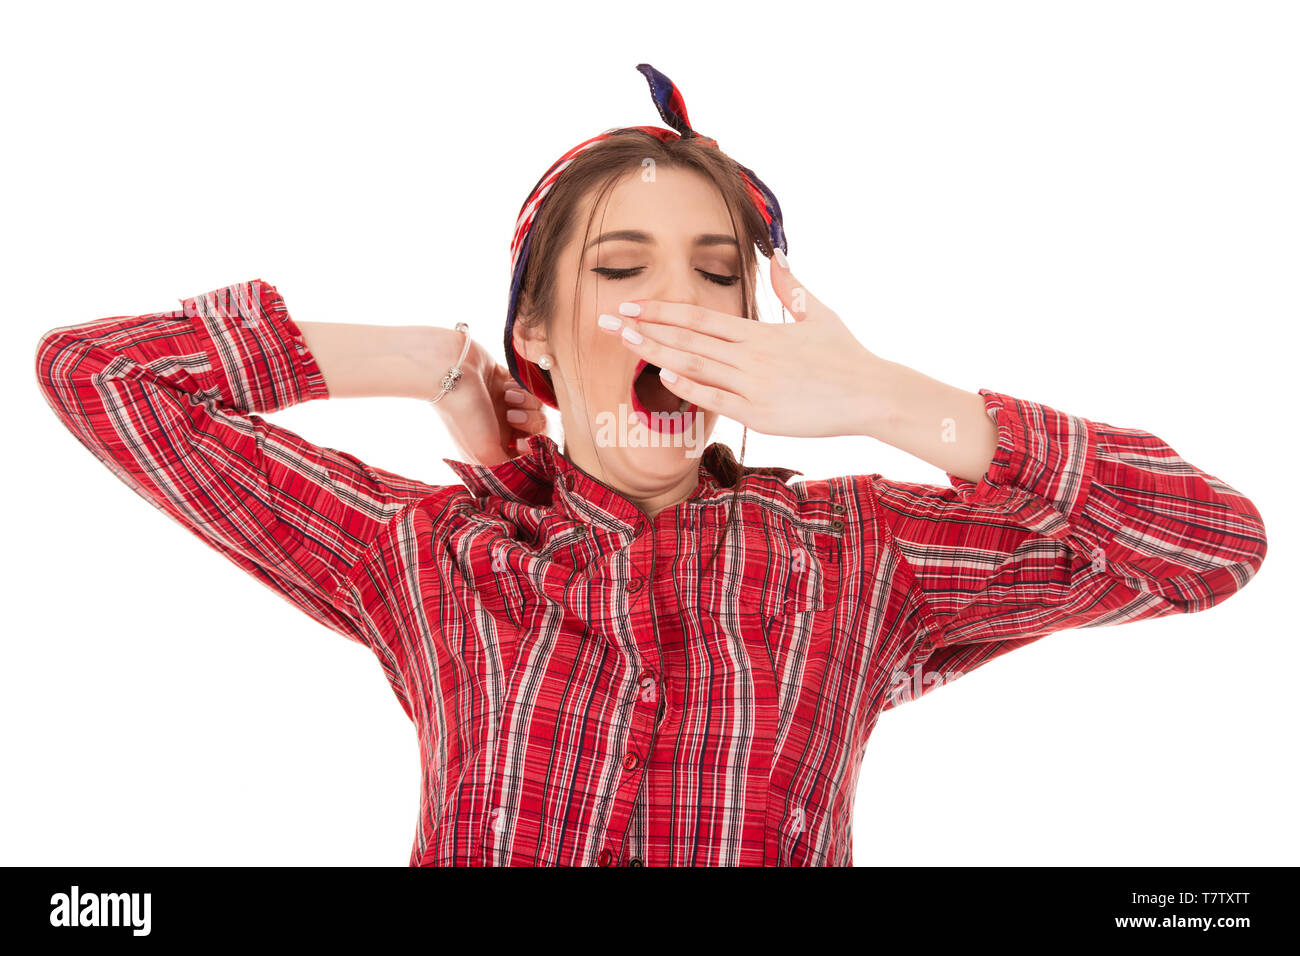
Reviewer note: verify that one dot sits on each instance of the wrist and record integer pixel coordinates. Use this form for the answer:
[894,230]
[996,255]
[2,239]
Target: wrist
[399,361]
[449,345]
[415,358]
[421,359]
[939,423]
[877,406]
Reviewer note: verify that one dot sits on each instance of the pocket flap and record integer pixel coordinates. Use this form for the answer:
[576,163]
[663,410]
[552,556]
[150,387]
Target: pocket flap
[781,575]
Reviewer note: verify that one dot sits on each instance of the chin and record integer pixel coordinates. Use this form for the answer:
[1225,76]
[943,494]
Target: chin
[665,462]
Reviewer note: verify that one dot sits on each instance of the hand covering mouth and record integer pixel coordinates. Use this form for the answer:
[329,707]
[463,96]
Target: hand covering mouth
[649,394]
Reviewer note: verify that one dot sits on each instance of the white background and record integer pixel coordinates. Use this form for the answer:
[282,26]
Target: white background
[1088,205]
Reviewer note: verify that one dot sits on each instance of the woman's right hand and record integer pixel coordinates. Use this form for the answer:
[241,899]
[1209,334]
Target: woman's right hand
[475,411]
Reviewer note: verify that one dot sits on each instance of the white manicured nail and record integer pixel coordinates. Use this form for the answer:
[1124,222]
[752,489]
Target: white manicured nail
[668,375]
[607,321]
[629,308]
[632,335]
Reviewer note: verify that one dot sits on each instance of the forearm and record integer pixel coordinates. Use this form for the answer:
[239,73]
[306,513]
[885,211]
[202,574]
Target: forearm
[946,426]
[400,361]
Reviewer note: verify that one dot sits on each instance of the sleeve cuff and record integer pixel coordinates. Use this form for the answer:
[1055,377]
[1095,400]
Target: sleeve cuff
[1041,452]
[259,356]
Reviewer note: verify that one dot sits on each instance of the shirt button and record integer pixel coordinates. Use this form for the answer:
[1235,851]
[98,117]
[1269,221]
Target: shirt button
[630,761]
[635,861]
[837,525]
[838,509]
[604,858]
[633,586]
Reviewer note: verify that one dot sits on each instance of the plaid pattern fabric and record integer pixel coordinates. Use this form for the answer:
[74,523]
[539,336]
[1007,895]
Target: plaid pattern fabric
[584,691]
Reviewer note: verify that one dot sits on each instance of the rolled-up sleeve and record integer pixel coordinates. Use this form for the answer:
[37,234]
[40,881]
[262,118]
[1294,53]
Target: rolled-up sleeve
[172,402]
[1075,524]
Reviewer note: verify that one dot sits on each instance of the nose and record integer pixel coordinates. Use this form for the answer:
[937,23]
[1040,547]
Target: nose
[678,283]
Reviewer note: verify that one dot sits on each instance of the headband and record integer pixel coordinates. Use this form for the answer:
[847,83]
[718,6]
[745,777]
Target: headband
[668,100]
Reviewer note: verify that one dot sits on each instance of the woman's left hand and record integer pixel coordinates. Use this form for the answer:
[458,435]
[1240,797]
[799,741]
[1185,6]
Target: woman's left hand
[810,378]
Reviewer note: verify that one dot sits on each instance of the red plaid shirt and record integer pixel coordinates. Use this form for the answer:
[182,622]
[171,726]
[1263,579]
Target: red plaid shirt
[584,693]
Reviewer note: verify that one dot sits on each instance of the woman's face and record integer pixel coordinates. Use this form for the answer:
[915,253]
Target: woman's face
[668,238]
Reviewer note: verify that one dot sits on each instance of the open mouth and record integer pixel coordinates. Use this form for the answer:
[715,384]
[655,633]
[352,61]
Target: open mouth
[658,408]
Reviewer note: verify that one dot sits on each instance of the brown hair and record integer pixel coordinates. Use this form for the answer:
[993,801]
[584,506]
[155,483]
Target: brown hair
[600,167]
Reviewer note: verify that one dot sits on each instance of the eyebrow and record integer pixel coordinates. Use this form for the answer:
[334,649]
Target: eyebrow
[636,235]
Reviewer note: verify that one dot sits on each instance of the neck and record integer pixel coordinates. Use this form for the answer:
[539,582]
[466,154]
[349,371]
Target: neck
[650,502]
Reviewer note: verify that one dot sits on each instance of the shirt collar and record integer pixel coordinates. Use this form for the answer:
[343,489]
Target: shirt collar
[543,477]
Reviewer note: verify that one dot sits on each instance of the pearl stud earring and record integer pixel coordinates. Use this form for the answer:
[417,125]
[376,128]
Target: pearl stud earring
[544,361]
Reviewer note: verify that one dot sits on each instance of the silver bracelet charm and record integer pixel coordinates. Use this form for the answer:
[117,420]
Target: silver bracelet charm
[454,373]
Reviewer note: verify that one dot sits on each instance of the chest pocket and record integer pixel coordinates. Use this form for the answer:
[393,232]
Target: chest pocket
[775,575]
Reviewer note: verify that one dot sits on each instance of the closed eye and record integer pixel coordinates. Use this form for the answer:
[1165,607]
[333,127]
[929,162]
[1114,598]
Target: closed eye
[627,273]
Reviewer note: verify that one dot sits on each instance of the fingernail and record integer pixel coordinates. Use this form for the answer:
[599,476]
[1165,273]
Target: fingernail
[632,335]
[609,321]
[514,396]
[629,308]
[516,415]
[781,260]
[668,375]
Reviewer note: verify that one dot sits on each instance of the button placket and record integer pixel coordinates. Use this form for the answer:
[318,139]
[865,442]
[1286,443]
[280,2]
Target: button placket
[643,649]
